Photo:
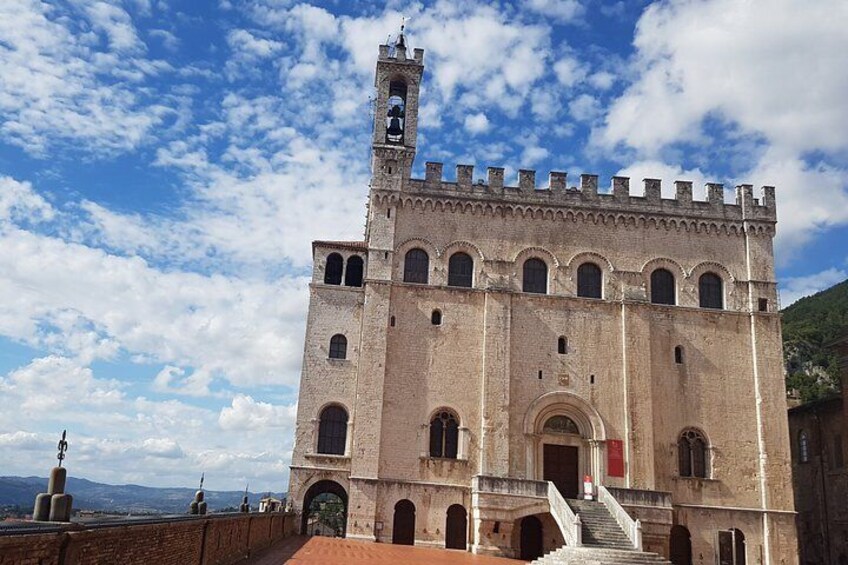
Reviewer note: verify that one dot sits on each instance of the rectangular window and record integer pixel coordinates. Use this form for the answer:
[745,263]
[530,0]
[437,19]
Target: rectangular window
[763,304]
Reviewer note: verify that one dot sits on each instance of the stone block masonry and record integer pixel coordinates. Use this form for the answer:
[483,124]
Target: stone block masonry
[210,540]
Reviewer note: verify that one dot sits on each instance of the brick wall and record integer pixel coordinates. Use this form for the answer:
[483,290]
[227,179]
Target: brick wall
[213,540]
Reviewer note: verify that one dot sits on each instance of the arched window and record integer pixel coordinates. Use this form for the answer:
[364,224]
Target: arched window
[731,547]
[353,274]
[444,435]
[333,269]
[416,266]
[332,431]
[803,447]
[710,291]
[562,345]
[692,454]
[338,347]
[662,287]
[460,270]
[436,318]
[396,112]
[535,276]
[678,354]
[589,280]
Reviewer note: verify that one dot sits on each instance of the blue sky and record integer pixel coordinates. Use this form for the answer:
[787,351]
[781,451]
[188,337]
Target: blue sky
[164,166]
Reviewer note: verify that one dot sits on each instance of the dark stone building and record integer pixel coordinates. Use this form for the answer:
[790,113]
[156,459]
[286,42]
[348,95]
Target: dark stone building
[819,431]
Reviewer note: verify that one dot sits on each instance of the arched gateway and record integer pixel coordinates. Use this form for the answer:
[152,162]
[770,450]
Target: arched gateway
[564,438]
[324,510]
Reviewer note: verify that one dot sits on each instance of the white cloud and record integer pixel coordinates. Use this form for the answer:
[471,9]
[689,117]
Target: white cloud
[794,288]
[477,123]
[585,108]
[245,413]
[755,65]
[559,10]
[19,202]
[58,86]
[569,71]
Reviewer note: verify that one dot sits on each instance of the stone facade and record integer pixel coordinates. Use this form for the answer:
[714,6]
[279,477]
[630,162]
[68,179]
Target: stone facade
[819,431]
[633,375]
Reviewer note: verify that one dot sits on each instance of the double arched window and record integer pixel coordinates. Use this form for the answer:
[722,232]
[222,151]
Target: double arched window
[416,266]
[711,291]
[444,435]
[332,431]
[589,280]
[535,276]
[338,347]
[460,270]
[662,287]
[692,454]
[335,269]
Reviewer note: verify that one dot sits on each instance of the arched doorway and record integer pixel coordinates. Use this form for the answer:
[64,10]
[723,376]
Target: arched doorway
[564,441]
[324,510]
[680,546]
[532,546]
[456,527]
[403,525]
[561,454]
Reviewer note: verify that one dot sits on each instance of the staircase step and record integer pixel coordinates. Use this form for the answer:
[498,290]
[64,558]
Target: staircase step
[597,556]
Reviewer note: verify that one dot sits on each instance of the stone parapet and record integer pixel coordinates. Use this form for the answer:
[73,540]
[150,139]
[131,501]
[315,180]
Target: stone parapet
[620,198]
[186,540]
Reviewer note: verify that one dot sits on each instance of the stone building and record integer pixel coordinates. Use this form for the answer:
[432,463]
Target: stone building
[818,431]
[486,347]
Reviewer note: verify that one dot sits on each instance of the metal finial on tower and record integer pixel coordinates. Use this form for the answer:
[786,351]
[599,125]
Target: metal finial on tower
[201,480]
[62,447]
[401,40]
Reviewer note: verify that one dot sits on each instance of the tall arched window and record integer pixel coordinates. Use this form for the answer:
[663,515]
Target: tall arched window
[562,345]
[416,266]
[678,354]
[803,447]
[692,454]
[460,270]
[396,112]
[589,280]
[333,269]
[332,431]
[535,276]
[710,291]
[662,287]
[338,347]
[444,435]
[353,274]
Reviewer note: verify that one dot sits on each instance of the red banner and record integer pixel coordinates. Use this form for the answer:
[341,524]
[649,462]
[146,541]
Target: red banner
[615,458]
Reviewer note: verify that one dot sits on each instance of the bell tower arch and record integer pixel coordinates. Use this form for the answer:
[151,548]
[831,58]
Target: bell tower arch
[398,80]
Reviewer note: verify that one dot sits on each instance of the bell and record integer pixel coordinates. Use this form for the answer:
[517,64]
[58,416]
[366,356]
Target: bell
[394,128]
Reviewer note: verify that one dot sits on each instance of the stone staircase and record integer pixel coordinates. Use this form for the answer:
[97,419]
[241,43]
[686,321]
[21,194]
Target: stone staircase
[604,542]
[599,556]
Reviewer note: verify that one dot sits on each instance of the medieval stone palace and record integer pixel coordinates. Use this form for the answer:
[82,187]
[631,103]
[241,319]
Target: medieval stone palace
[489,354]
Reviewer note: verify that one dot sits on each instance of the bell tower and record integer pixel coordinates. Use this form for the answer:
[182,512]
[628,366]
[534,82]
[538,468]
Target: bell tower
[398,80]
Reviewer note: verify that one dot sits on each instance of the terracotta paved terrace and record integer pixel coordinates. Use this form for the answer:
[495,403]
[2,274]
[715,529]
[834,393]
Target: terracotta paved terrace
[301,550]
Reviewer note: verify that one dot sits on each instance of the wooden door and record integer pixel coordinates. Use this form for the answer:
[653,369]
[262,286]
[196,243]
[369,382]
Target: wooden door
[456,529]
[403,525]
[531,538]
[561,467]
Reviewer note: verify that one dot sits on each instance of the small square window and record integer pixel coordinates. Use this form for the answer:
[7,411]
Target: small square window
[762,304]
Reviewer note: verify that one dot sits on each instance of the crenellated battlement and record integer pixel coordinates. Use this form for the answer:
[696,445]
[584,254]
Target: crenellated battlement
[620,197]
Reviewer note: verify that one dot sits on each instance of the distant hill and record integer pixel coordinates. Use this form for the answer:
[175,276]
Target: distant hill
[808,325]
[131,499]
